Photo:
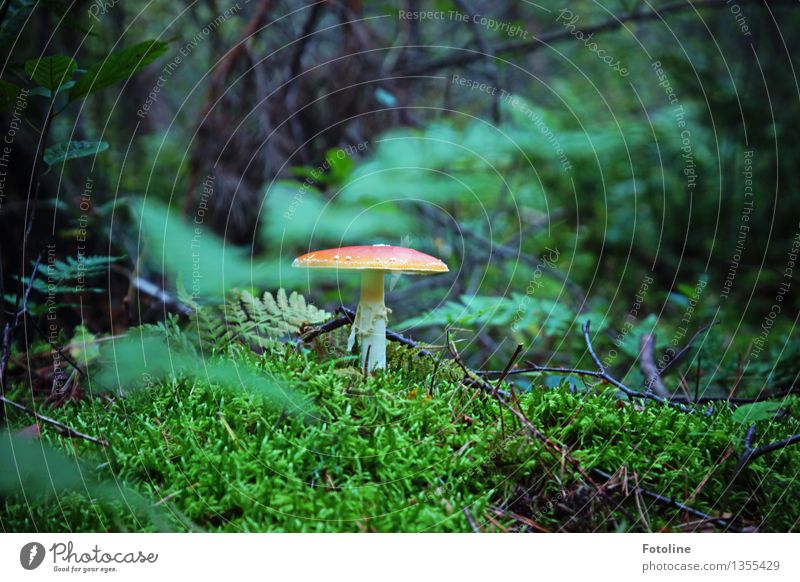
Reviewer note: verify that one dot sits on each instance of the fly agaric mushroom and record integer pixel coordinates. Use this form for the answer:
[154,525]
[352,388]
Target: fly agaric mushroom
[374,261]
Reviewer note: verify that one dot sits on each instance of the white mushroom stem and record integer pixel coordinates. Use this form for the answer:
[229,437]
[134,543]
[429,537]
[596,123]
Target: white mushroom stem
[369,326]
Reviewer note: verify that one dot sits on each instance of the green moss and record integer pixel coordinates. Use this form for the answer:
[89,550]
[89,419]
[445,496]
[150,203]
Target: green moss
[384,454]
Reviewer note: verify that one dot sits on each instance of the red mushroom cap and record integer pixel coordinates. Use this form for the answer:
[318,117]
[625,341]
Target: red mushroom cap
[375,257]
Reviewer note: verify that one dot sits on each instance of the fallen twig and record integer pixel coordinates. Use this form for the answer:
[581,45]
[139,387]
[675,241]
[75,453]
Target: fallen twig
[750,454]
[737,401]
[324,328]
[599,373]
[58,349]
[684,349]
[62,428]
[520,518]
[561,451]
[11,328]
[558,450]
[465,57]
[671,502]
[347,316]
[475,527]
[510,363]
[647,363]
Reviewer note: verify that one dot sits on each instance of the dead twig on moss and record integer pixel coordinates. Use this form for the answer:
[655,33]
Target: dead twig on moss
[677,357]
[737,401]
[750,453]
[504,513]
[62,428]
[672,502]
[348,316]
[561,452]
[471,521]
[599,373]
[557,450]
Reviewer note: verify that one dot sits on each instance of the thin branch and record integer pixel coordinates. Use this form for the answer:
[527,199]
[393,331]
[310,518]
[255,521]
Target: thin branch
[58,349]
[685,348]
[553,447]
[671,502]
[475,527]
[611,380]
[11,327]
[647,363]
[347,317]
[736,401]
[62,428]
[520,518]
[507,369]
[750,454]
[466,57]
[390,335]
[152,290]
[326,327]
[600,373]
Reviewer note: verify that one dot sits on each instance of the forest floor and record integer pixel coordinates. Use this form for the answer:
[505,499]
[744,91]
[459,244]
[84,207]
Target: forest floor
[413,449]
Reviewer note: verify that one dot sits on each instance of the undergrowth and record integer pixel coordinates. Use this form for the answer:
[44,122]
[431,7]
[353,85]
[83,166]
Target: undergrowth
[407,450]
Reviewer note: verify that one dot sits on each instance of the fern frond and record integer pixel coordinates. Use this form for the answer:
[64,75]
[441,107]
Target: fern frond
[206,325]
[68,276]
[259,320]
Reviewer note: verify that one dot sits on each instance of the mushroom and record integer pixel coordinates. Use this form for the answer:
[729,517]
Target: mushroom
[374,261]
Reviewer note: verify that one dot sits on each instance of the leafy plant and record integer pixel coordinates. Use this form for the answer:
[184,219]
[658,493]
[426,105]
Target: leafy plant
[249,319]
[142,358]
[116,67]
[201,260]
[519,312]
[51,72]
[69,150]
[59,276]
[258,320]
[756,412]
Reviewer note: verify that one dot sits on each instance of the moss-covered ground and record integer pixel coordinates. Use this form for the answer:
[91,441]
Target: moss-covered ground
[402,451]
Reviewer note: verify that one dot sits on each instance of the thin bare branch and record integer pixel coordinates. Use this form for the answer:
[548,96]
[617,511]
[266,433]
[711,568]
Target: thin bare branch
[62,428]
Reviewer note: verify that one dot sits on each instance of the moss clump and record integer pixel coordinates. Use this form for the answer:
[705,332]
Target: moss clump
[402,451]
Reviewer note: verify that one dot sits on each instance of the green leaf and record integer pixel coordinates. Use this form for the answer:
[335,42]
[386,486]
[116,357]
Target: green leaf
[69,150]
[118,66]
[756,411]
[341,165]
[42,92]
[51,72]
